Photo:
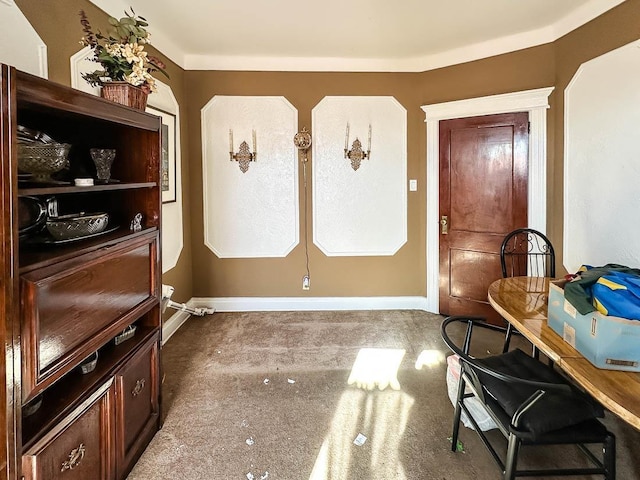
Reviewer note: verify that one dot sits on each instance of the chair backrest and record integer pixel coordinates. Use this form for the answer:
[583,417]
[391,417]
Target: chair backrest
[527,252]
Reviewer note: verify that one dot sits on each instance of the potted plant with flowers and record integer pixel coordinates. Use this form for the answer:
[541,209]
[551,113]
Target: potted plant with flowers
[125,76]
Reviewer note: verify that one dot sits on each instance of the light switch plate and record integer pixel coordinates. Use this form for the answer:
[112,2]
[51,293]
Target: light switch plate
[413,185]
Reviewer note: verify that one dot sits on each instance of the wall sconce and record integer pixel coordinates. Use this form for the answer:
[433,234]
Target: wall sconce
[356,154]
[244,155]
[302,141]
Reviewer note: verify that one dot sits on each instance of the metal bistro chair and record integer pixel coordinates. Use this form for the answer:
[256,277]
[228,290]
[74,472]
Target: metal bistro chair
[526,252]
[531,404]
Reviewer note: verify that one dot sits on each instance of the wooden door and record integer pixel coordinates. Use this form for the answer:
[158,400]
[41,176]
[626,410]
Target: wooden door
[483,196]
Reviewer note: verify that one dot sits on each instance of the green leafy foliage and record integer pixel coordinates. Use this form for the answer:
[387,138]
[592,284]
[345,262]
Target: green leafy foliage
[121,52]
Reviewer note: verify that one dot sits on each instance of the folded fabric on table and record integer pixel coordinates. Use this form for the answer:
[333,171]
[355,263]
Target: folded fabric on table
[611,289]
[618,294]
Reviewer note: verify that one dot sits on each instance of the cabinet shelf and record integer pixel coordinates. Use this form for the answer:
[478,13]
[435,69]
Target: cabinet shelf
[40,95]
[38,256]
[62,397]
[65,189]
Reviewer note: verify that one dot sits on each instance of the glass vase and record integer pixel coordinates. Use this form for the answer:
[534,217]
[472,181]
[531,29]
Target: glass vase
[103,159]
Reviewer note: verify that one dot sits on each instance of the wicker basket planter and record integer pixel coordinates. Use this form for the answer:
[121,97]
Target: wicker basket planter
[125,94]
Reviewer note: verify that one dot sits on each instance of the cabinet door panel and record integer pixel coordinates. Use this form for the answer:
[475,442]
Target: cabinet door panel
[78,448]
[137,406]
[71,310]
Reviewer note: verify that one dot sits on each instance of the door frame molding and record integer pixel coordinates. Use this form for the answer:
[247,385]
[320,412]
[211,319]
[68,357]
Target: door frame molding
[536,103]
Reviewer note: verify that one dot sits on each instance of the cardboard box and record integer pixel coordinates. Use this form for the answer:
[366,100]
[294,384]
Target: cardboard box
[607,342]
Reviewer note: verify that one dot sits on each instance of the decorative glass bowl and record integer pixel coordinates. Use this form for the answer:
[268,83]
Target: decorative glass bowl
[77,225]
[42,160]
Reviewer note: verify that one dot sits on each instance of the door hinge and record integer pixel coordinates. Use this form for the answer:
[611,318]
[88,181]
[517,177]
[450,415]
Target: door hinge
[529,127]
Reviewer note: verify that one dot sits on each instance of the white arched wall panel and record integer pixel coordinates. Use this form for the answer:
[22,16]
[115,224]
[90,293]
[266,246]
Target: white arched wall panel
[252,214]
[602,161]
[20,44]
[172,223]
[364,211]
[163,99]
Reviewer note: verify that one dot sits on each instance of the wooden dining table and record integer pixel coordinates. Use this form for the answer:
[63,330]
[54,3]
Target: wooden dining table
[522,301]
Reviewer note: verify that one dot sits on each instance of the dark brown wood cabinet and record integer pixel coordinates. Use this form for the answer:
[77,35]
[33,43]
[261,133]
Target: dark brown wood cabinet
[62,302]
[80,446]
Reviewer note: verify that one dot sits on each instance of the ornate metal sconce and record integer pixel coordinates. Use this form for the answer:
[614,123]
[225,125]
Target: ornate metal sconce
[302,141]
[356,154]
[244,155]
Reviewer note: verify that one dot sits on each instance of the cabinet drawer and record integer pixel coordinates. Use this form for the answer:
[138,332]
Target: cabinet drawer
[71,308]
[80,447]
[137,404]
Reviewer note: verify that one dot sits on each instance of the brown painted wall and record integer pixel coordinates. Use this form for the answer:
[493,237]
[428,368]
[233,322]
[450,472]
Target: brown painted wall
[201,273]
[58,24]
[401,274]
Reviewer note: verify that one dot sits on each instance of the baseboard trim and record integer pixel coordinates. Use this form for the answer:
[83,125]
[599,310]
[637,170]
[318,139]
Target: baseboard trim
[257,304]
[171,326]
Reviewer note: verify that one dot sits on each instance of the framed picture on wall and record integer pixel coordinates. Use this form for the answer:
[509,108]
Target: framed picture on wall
[167,155]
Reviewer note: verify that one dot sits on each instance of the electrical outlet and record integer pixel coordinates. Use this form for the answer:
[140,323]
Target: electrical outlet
[306,282]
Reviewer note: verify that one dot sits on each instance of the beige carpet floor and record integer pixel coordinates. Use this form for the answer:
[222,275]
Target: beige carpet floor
[283,396]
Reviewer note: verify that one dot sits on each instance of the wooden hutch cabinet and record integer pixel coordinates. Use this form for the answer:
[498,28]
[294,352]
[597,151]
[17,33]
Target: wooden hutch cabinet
[65,301]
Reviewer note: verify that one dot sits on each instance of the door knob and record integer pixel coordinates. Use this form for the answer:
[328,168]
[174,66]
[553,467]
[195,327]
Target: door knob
[444,225]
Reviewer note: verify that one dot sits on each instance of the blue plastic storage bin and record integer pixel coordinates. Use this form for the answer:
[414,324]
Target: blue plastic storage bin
[608,342]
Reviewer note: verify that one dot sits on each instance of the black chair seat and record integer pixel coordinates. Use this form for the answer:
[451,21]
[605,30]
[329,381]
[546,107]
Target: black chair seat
[554,411]
[589,431]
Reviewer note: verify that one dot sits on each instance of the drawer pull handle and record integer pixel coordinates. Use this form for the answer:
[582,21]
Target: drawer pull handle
[75,457]
[138,388]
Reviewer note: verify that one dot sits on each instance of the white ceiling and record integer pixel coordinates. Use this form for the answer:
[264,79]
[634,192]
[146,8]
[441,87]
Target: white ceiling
[351,35]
